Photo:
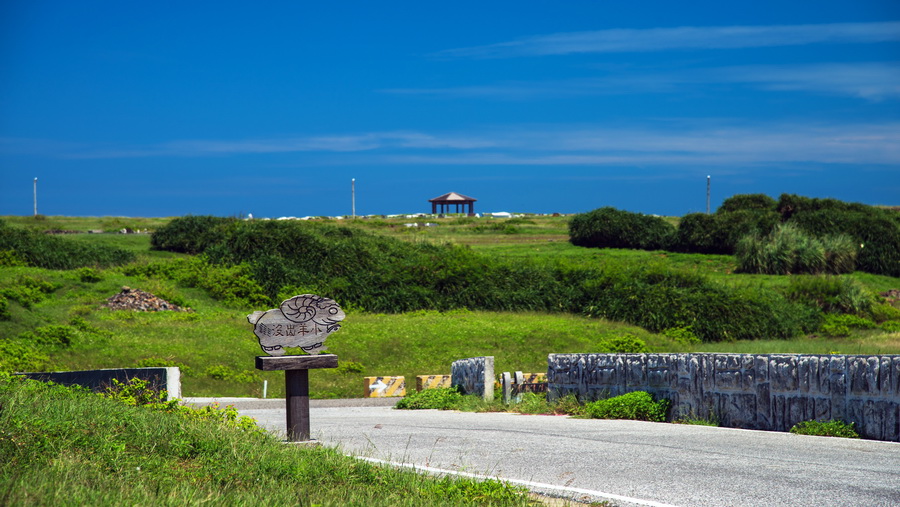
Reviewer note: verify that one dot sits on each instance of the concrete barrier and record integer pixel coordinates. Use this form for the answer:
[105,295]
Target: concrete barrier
[474,375]
[433,381]
[764,391]
[168,378]
[384,387]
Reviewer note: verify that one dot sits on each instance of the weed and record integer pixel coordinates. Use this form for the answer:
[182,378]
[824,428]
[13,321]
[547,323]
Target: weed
[833,428]
[839,325]
[444,398]
[891,326]
[830,293]
[88,275]
[682,335]
[624,344]
[637,405]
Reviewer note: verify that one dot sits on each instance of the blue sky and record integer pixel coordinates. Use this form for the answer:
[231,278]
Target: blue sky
[173,108]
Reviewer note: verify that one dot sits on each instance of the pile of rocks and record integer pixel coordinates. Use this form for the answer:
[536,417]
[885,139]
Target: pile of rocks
[138,300]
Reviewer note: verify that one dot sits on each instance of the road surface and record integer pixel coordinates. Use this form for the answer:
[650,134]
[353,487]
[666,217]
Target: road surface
[624,462]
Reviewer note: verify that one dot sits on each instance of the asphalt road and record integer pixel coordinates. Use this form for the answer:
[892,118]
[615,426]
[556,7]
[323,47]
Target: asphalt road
[626,462]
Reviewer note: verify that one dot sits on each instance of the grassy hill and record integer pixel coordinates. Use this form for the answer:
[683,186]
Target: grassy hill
[54,318]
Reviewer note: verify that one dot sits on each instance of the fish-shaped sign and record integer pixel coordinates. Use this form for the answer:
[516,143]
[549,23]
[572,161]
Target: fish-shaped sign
[303,321]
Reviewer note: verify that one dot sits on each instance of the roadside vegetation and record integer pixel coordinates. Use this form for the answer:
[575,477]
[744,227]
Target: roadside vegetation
[129,448]
[637,405]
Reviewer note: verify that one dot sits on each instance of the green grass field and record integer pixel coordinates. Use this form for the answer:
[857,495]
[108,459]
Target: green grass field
[215,345]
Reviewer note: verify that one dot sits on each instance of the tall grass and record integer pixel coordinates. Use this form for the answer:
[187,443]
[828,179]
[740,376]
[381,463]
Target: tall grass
[790,250]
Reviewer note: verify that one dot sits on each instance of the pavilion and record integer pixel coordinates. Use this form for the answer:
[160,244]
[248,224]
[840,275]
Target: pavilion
[451,199]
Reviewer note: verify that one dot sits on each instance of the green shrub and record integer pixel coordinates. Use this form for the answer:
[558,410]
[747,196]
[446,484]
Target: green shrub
[625,344]
[831,294]
[657,298]
[532,403]
[874,230]
[258,261]
[51,252]
[789,250]
[233,285]
[18,355]
[836,325]
[53,335]
[444,398]
[28,291]
[831,428]
[612,228]
[637,405]
[891,326]
[190,234]
[719,233]
[884,312]
[88,275]
[9,258]
[682,335]
[748,202]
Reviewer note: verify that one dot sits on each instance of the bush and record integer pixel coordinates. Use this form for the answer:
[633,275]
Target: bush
[891,326]
[682,335]
[625,344]
[28,291]
[21,356]
[831,294]
[831,428]
[840,325]
[789,250]
[4,309]
[657,298]
[876,231]
[88,275]
[51,252]
[720,233]
[637,405]
[190,234]
[444,398]
[612,228]
[748,202]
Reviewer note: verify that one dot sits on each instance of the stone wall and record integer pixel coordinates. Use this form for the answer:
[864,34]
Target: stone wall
[474,375]
[766,392]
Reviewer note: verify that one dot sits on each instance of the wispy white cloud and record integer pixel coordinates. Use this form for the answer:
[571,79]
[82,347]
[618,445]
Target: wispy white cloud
[680,38]
[867,80]
[871,80]
[675,142]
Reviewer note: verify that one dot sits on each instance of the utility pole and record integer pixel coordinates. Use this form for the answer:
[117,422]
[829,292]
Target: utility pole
[35,198]
[353,197]
[707,194]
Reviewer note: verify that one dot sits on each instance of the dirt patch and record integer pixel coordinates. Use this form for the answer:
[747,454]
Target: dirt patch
[138,300]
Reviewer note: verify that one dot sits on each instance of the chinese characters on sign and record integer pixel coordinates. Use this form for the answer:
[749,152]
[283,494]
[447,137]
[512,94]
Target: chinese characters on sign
[303,321]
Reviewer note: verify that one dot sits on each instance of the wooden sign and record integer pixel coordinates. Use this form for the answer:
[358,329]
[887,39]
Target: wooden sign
[303,321]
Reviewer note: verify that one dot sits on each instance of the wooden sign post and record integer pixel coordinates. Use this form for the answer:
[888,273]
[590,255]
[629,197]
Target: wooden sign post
[303,321]
[296,383]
